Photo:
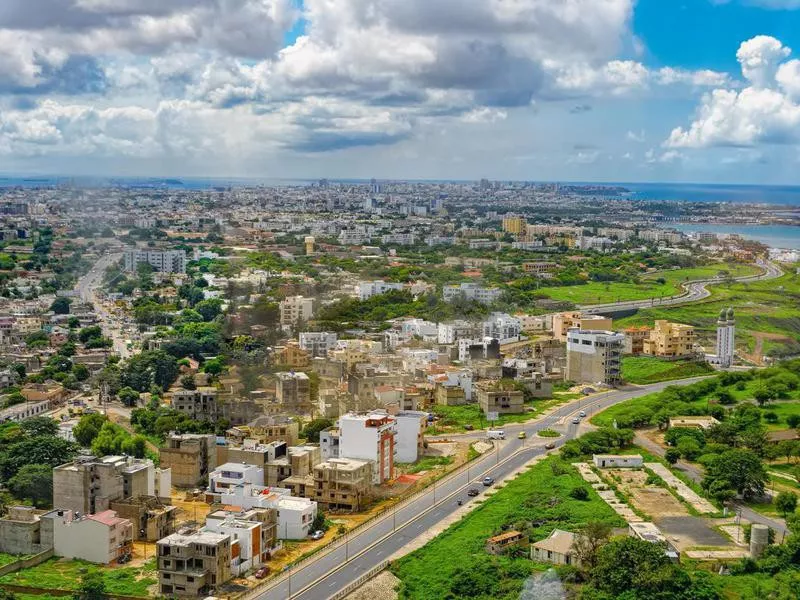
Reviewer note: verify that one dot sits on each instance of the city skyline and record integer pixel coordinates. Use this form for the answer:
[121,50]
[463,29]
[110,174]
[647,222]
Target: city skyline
[704,91]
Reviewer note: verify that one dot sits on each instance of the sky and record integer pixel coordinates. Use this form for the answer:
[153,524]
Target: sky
[547,90]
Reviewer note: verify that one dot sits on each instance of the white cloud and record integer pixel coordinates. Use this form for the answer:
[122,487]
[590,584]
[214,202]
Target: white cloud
[765,112]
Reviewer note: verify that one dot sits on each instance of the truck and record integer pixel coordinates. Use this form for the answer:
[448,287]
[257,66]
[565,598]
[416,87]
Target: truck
[496,434]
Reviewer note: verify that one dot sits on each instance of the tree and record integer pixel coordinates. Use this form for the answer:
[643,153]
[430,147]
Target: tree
[81,372]
[588,541]
[187,382]
[725,397]
[152,366]
[672,455]
[579,493]
[793,421]
[92,587]
[213,366]
[39,426]
[87,428]
[786,503]
[311,431]
[34,483]
[209,308]
[44,450]
[128,396]
[87,333]
[60,305]
[738,469]
[689,448]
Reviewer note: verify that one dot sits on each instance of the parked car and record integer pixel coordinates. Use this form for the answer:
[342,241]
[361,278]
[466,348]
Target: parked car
[487,481]
[473,492]
[317,535]
[550,445]
[262,572]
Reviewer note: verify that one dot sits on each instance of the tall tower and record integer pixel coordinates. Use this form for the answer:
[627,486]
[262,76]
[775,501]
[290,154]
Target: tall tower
[309,242]
[726,333]
[731,350]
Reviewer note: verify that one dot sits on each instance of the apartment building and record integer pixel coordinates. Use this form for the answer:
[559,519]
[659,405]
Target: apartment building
[499,397]
[268,428]
[190,457]
[410,441]
[471,291]
[594,356]
[21,531]
[151,518]
[670,340]
[295,309]
[193,564]
[635,338]
[368,289]
[501,326]
[231,474]
[251,452]
[199,404]
[450,333]
[565,321]
[342,484]
[317,343]
[89,485]
[102,538]
[295,515]
[292,469]
[163,261]
[293,391]
[540,268]
[371,437]
[514,224]
[253,533]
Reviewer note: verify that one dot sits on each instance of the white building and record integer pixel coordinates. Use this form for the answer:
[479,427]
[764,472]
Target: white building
[295,515]
[502,326]
[471,291]
[450,333]
[232,474]
[163,261]
[101,538]
[401,239]
[726,340]
[317,343]
[296,308]
[249,534]
[410,427]
[371,437]
[368,289]
[455,378]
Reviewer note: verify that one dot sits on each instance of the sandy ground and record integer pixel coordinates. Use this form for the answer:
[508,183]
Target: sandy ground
[650,499]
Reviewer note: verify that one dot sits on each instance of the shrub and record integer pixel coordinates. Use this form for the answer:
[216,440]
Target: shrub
[579,493]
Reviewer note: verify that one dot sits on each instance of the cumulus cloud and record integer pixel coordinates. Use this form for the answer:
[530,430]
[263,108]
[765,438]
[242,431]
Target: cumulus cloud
[766,111]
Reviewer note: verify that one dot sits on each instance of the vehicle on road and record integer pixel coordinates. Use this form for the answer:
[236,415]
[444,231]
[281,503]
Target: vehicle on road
[473,492]
[459,502]
[468,427]
[522,435]
[550,445]
[576,420]
[317,535]
[487,481]
[582,413]
[496,434]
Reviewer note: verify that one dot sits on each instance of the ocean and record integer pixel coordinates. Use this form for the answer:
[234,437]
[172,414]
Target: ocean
[774,236]
[788,195]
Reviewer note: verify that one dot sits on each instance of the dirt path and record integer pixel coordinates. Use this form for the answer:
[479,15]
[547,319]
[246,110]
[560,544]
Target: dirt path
[757,356]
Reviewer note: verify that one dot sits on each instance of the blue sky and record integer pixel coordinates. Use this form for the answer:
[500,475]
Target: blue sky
[607,90]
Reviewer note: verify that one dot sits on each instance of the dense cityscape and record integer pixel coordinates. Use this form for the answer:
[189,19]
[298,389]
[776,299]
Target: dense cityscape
[286,391]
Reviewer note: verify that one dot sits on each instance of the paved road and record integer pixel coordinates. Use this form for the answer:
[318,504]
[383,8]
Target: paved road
[87,287]
[694,291]
[328,573]
[695,473]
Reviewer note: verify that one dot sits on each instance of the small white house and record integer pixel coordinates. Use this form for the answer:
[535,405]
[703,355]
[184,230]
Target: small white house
[232,474]
[617,461]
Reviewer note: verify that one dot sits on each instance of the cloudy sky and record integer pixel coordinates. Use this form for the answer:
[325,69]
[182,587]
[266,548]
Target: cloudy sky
[582,90]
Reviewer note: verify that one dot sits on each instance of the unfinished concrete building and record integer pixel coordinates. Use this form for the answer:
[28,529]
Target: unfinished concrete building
[191,457]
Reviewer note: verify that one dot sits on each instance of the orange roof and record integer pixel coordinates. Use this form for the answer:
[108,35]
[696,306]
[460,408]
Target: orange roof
[509,535]
[107,517]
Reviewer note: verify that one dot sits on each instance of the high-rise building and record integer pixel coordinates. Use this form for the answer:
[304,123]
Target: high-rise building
[594,356]
[670,340]
[163,261]
[296,308]
[726,339]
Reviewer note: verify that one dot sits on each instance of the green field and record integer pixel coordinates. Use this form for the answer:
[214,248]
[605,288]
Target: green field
[768,309]
[648,369]
[62,574]
[536,502]
[649,287]
[455,418]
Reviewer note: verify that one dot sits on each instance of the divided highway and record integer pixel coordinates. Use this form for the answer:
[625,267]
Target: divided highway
[330,571]
[693,292]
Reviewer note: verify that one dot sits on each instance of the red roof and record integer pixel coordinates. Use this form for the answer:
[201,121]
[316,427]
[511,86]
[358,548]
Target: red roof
[107,517]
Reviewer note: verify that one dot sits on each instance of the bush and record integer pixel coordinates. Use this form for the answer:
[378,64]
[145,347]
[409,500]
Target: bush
[580,493]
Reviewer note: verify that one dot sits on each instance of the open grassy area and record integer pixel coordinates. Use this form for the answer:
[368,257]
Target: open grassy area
[61,574]
[429,462]
[767,315]
[7,559]
[536,502]
[455,418]
[649,287]
[649,369]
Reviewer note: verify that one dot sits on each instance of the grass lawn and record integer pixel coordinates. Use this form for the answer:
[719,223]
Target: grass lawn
[7,559]
[536,502]
[454,418]
[766,308]
[649,369]
[649,287]
[427,463]
[60,574]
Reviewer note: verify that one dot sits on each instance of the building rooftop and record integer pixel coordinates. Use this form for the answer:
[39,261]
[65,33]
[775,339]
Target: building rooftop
[559,541]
